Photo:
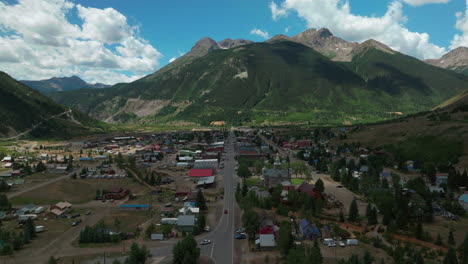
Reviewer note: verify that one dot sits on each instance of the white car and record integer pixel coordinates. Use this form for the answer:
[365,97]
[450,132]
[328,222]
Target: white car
[207,228]
[341,244]
[205,242]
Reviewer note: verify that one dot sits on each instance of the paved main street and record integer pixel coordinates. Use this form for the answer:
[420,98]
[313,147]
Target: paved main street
[222,236]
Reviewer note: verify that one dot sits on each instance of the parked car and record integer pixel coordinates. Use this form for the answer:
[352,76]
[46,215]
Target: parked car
[77,222]
[88,212]
[341,244]
[75,216]
[205,242]
[207,229]
[240,236]
[240,230]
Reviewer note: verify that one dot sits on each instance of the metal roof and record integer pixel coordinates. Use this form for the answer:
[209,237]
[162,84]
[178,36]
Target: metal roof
[186,220]
[267,240]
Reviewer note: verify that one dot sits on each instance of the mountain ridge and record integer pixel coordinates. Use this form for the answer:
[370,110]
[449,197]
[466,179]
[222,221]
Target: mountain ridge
[24,110]
[274,82]
[55,84]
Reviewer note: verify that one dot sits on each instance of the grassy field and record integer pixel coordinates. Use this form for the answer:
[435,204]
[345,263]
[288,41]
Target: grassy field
[42,176]
[442,226]
[73,191]
[53,229]
[129,220]
[297,181]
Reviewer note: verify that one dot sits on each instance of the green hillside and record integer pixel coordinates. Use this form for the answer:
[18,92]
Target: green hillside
[278,82]
[22,107]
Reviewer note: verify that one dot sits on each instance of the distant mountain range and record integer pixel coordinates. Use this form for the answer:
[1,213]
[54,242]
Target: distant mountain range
[311,77]
[58,84]
[26,111]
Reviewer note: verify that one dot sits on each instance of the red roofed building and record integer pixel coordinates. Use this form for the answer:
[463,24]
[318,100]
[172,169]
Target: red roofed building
[200,172]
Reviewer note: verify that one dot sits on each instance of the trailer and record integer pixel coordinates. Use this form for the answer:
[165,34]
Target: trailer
[169,221]
[39,210]
[26,217]
[352,242]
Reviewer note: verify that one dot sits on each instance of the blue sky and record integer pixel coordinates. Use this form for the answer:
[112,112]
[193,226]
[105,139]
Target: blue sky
[167,29]
[174,26]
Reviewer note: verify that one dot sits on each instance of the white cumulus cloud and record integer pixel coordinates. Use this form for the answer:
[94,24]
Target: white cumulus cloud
[462,25]
[425,2]
[336,15]
[38,41]
[276,11]
[260,33]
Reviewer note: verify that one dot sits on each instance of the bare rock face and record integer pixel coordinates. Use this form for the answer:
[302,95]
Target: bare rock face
[371,44]
[203,47]
[453,59]
[233,43]
[323,41]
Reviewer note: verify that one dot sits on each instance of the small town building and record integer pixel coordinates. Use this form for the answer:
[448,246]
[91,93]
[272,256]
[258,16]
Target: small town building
[200,173]
[186,223]
[441,179]
[463,200]
[266,242]
[116,193]
[308,231]
[206,164]
[62,206]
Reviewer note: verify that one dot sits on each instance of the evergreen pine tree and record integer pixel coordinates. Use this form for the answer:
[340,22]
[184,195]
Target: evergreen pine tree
[418,233]
[200,201]
[319,186]
[451,257]
[368,258]
[463,249]
[418,259]
[353,212]
[438,240]
[341,216]
[451,240]
[315,254]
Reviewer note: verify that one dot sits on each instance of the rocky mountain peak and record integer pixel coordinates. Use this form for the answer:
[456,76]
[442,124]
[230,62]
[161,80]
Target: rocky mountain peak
[373,44]
[232,43]
[205,44]
[324,33]
[323,41]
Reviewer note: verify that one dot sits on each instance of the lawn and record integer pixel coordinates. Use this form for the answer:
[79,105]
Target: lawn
[297,181]
[252,181]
